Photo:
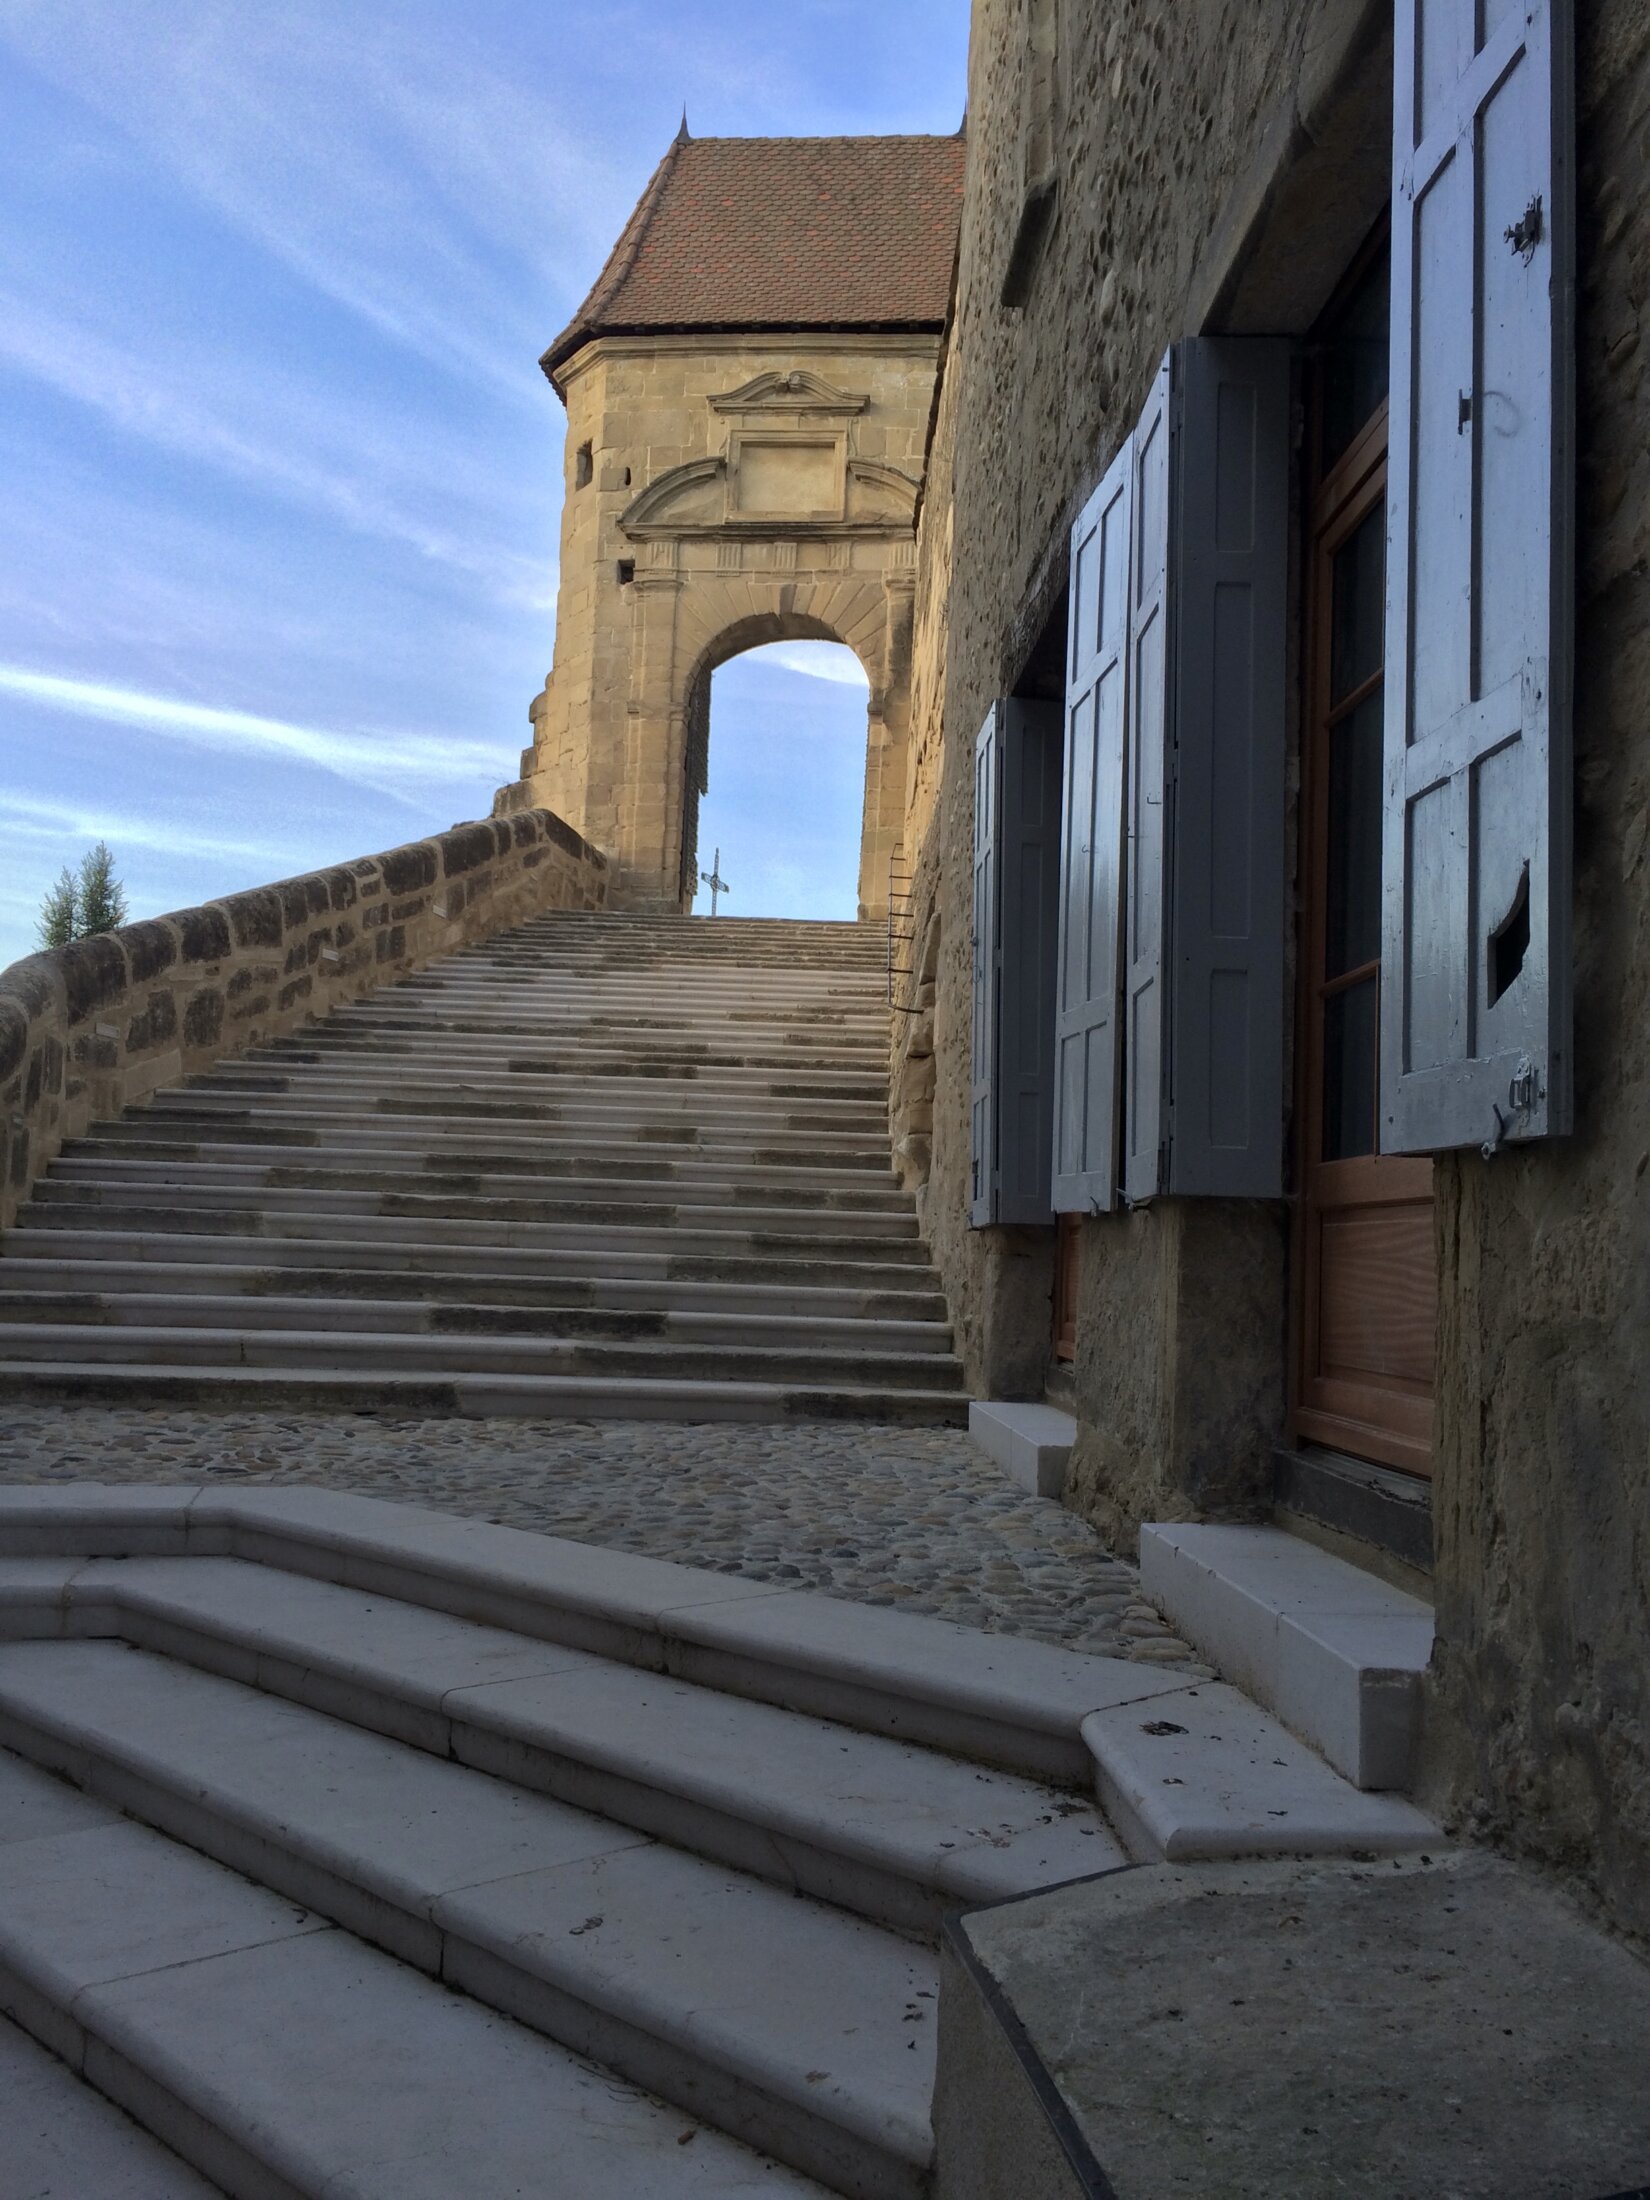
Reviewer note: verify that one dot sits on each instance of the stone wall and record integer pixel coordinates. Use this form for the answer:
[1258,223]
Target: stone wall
[1217,167]
[722,492]
[87,1030]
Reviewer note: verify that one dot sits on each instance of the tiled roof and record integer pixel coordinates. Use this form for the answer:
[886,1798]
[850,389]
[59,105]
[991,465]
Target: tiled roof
[770,233]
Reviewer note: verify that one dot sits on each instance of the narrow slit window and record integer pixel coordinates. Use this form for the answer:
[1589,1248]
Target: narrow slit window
[626,571]
[584,467]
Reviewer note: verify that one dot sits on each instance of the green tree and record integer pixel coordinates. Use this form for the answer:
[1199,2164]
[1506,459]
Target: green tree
[102,897]
[60,911]
[82,902]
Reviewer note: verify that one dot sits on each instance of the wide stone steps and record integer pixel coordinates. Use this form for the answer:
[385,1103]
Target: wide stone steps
[603,1165]
[811,1269]
[514,1863]
[623,1300]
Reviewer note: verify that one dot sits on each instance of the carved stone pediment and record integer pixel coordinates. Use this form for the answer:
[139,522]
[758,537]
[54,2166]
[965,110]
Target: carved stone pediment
[880,494]
[798,395]
[687,499]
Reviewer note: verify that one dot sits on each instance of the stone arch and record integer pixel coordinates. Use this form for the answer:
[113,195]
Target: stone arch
[744,488]
[756,630]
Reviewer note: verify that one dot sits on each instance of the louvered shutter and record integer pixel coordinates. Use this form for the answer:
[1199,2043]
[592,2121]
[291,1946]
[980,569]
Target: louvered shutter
[983,1056]
[1475,1025]
[1091,850]
[1029,885]
[1147,774]
[1226,920]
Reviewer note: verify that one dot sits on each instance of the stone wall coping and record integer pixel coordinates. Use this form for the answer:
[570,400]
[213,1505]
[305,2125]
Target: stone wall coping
[88,1029]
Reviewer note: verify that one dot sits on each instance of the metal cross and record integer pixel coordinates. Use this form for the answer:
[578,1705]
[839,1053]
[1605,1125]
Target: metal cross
[714,880]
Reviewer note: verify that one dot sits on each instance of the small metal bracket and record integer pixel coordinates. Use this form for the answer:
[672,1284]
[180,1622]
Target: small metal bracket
[1463,416]
[1492,1145]
[1525,233]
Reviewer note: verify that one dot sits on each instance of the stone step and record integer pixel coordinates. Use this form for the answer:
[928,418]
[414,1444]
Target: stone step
[568,1264]
[158,1307]
[777,2019]
[599,1298]
[687,1231]
[623,1177]
[1187,1767]
[1339,1655]
[656,1104]
[618,1144]
[401,1352]
[280,2055]
[325,1046]
[531,1197]
[439,1395]
[885,1829]
[63,2137]
[534,1077]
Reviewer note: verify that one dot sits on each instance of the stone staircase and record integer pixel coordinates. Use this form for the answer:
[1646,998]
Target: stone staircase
[357,1850]
[601,1165]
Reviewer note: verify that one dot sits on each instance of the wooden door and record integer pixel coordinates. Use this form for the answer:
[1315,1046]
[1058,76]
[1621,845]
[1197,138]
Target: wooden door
[1365,1273]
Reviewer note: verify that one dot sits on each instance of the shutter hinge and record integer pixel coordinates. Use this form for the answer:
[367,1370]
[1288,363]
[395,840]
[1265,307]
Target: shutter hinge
[1524,1089]
[1525,233]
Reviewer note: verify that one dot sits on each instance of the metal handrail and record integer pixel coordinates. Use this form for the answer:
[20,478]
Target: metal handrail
[902,931]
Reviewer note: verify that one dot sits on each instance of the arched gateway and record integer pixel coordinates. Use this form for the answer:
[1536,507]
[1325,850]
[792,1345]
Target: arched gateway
[748,390]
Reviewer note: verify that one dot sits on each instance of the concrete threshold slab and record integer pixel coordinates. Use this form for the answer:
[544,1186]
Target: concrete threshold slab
[1031,1443]
[1442,2026]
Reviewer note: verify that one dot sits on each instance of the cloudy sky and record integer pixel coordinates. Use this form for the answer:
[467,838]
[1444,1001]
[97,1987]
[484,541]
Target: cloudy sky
[279,476]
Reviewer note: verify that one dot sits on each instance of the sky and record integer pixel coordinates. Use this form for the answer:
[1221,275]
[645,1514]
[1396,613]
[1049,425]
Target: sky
[280,479]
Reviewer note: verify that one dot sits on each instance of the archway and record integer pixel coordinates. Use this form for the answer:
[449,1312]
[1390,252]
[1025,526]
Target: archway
[777,752]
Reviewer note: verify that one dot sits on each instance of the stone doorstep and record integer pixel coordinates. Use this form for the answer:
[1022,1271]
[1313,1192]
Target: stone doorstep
[1447,2024]
[64,2137]
[1336,1653]
[1031,1443]
[1184,1769]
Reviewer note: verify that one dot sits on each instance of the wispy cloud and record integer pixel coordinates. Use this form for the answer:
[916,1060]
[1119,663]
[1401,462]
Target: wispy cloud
[832,661]
[322,455]
[63,825]
[384,761]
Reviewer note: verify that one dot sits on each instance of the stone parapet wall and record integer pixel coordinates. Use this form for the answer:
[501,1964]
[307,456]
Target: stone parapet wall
[87,1030]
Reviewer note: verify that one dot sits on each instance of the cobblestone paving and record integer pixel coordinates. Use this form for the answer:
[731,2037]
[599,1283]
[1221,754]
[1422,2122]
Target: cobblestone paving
[915,1518]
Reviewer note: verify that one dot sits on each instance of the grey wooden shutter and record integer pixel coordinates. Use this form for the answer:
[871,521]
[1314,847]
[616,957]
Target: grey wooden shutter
[1148,767]
[1091,849]
[1029,887]
[983,1055]
[1475,1021]
[1229,553]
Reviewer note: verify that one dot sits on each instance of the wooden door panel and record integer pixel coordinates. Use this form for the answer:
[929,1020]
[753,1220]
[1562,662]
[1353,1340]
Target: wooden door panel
[1378,1301]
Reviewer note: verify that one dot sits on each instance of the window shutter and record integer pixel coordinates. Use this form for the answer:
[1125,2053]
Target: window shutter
[1091,850]
[1029,884]
[983,1068]
[1226,921]
[1148,767]
[1475,1020]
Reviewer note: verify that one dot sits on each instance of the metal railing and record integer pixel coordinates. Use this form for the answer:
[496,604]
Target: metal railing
[902,936]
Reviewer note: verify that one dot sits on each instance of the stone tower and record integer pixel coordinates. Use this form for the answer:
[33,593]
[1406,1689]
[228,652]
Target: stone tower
[748,390]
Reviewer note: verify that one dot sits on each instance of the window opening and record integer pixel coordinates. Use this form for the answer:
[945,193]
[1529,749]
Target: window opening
[1510,941]
[584,467]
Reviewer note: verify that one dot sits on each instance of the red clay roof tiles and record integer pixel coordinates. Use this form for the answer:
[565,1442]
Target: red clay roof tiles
[816,233]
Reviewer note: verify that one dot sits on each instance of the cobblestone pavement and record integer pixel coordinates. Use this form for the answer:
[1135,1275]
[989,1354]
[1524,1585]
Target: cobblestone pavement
[915,1518]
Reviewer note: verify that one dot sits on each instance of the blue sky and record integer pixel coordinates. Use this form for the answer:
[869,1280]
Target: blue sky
[279,476]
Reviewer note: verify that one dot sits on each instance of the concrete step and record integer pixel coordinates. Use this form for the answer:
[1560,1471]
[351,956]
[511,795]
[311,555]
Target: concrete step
[568,1264]
[1337,1654]
[279,2055]
[436,1394]
[617,1298]
[777,2019]
[395,1352]
[630,1206]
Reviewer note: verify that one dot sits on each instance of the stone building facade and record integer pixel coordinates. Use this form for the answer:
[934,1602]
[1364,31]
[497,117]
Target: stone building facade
[1471,1402]
[748,389]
